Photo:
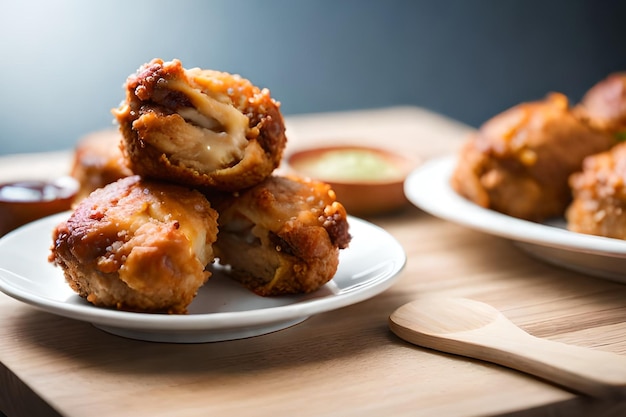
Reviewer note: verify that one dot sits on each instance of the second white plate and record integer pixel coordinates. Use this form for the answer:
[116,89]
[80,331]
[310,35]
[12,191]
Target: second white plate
[428,187]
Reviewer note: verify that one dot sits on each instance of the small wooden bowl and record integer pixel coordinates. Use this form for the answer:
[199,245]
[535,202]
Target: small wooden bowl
[24,201]
[367,180]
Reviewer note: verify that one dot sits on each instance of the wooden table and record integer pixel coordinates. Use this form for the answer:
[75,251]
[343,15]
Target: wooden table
[345,362]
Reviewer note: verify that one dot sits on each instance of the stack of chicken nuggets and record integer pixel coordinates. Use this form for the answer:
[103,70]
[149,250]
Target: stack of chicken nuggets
[197,150]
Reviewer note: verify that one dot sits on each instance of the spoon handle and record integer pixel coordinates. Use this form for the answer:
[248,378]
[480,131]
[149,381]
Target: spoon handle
[592,372]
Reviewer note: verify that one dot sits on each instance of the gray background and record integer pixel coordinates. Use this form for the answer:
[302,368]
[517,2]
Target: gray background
[63,62]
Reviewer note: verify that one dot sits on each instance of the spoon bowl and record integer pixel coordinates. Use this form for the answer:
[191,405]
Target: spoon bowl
[474,329]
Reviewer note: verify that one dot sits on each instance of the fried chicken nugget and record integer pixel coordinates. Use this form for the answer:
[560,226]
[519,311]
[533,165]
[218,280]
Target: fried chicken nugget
[137,245]
[98,161]
[599,205]
[199,127]
[282,236]
[518,162]
[604,105]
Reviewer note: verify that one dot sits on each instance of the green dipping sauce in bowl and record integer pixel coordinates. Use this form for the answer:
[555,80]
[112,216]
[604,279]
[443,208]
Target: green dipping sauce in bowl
[349,164]
[366,180]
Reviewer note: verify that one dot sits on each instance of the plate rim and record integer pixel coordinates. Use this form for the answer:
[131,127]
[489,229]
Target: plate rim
[217,321]
[428,188]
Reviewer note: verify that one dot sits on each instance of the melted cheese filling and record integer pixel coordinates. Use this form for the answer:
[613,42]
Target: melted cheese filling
[217,138]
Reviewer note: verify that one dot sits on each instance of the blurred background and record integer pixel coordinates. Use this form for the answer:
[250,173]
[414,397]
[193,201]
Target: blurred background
[63,62]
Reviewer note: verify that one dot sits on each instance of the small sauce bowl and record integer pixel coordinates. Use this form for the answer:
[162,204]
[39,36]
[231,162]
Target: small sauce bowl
[367,180]
[24,201]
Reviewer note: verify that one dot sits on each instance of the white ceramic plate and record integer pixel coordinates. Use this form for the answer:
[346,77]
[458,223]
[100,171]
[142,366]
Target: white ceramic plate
[223,310]
[428,188]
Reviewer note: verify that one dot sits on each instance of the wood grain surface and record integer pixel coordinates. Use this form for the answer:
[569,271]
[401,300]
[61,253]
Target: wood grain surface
[344,362]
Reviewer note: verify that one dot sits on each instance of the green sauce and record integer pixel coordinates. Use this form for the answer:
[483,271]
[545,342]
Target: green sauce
[351,165]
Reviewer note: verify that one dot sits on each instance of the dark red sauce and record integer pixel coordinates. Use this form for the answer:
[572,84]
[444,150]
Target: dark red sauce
[33,191]
[24,201]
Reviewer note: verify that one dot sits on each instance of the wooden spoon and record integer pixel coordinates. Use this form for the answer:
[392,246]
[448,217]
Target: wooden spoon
[477,330]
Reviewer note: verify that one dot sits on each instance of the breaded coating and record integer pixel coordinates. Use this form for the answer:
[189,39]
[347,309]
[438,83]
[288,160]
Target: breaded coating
[282,236]
[98,161]
[199,127]
[599,205]
[137,245]
[604,105]
[518,163]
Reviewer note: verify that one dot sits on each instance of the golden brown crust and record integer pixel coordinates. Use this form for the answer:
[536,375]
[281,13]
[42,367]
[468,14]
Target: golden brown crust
[98,161]
[604,105]
[282,236]
[137,245]
[518,163]
[599,205]
[171,114]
